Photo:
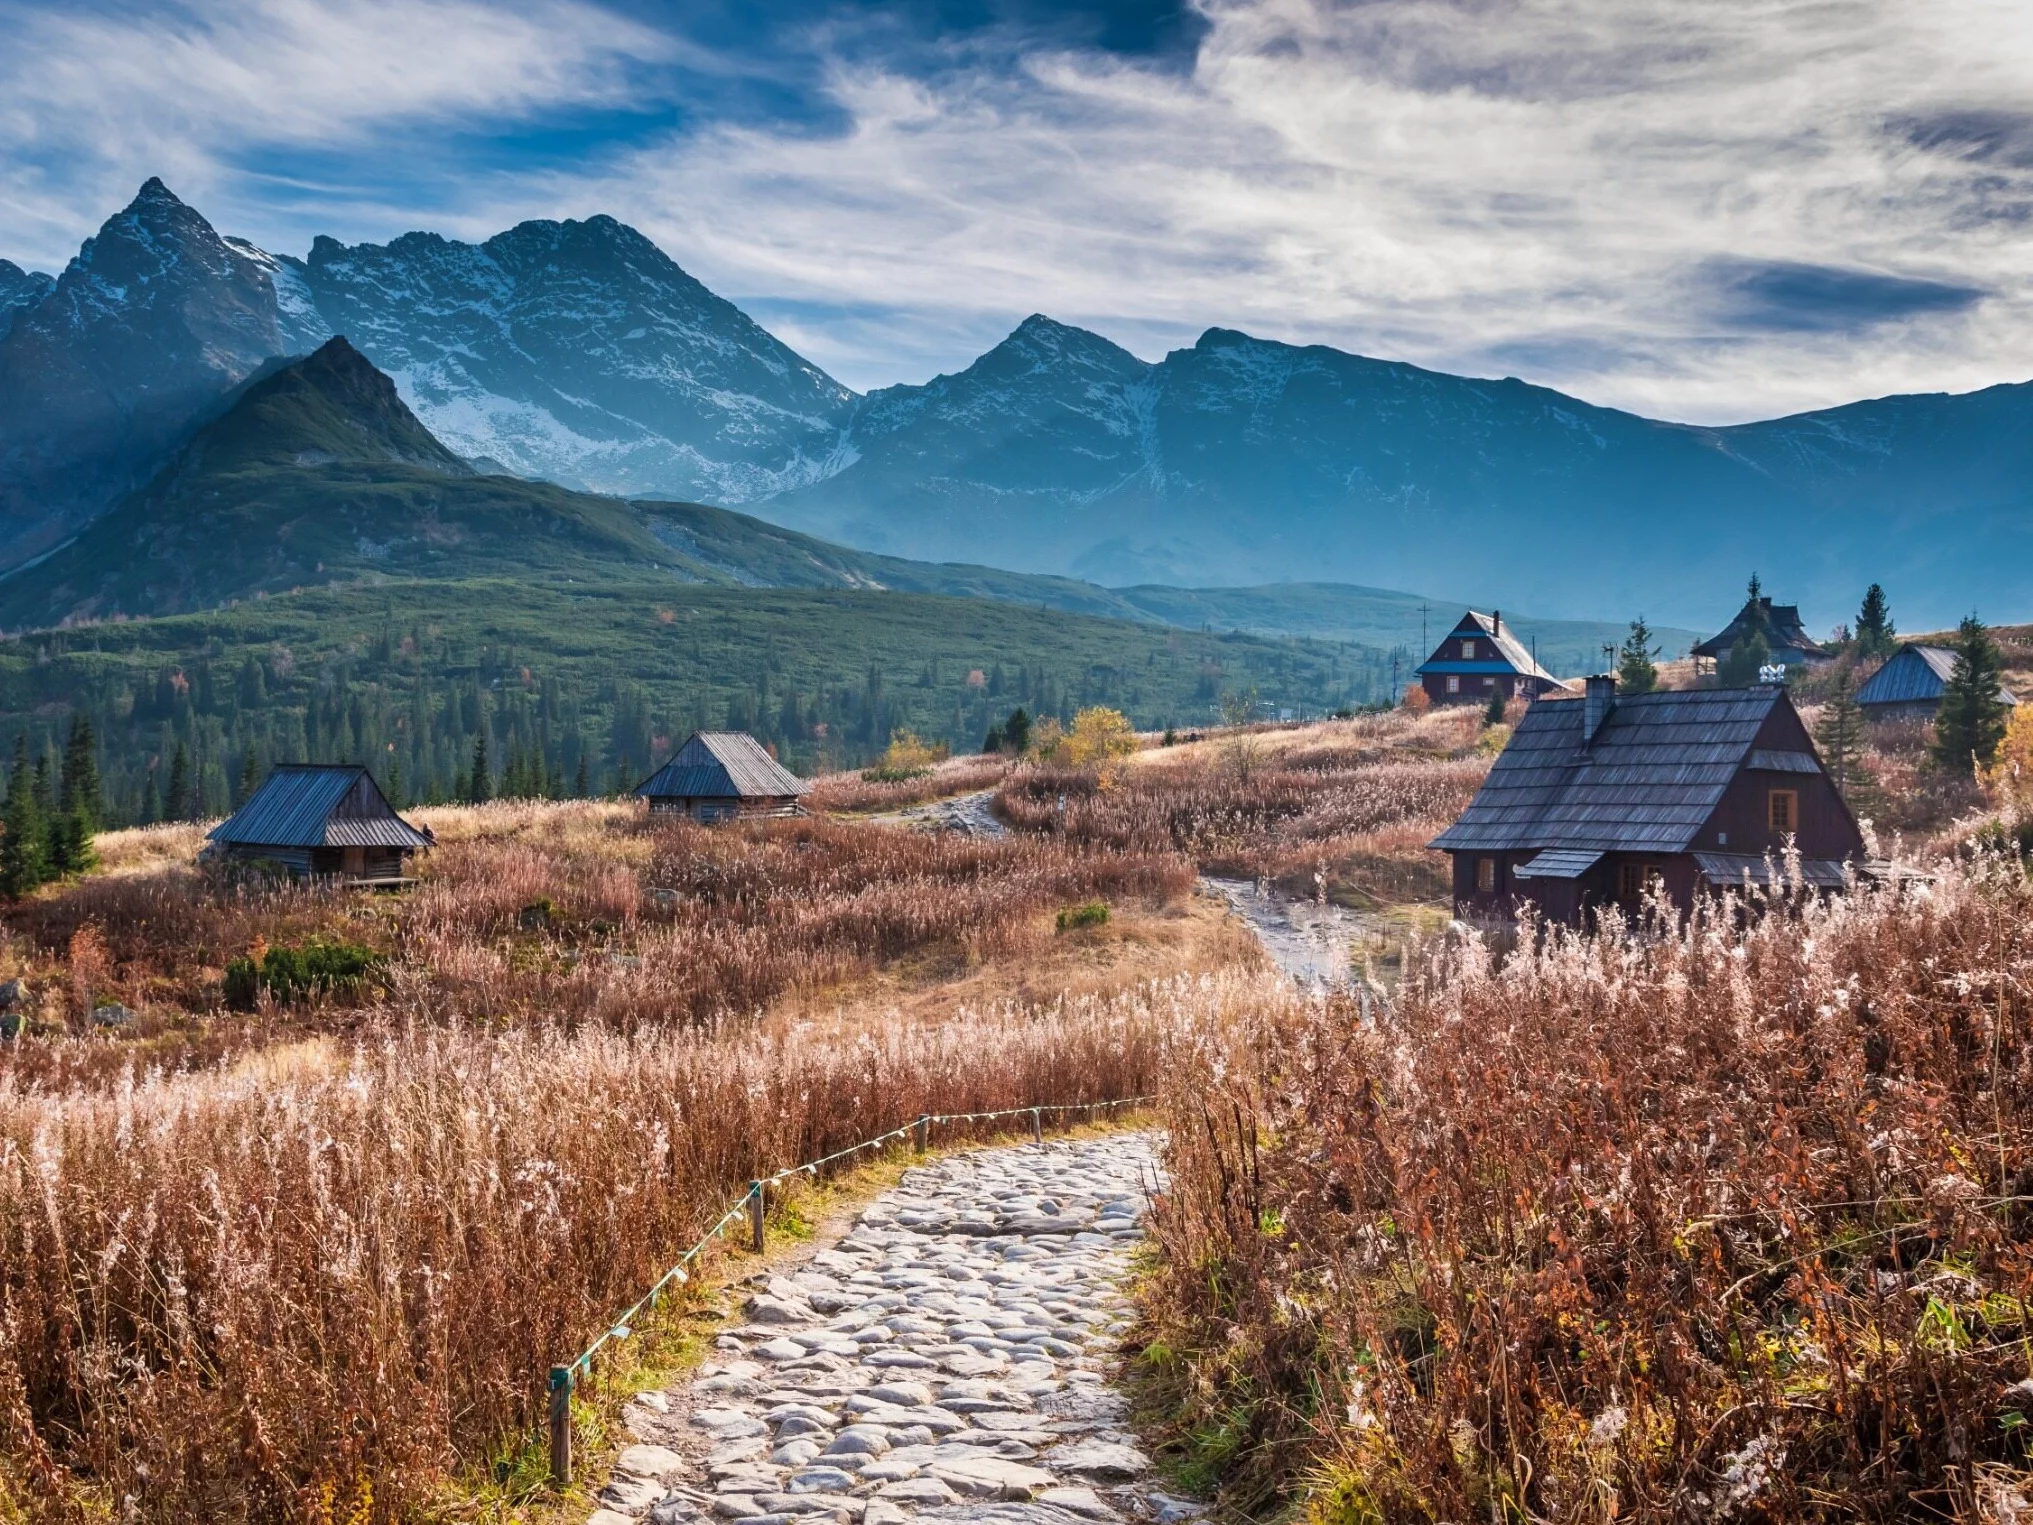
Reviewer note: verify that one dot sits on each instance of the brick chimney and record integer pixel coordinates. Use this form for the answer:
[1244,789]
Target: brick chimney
[1600,699]
[1496,622]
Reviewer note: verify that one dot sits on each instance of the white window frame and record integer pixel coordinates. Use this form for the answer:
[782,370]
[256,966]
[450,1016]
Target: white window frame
[1453,683]
[1468,651]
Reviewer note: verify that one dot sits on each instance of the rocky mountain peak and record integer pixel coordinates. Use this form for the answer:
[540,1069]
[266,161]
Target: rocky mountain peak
[20,289]
[330,408]
[155,318]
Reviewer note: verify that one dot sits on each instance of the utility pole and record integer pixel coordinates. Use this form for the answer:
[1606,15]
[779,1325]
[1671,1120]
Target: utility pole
[1425,643]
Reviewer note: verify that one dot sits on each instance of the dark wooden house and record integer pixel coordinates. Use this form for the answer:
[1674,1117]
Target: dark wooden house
[1909,685]
[1596,799]
[1785,635]
[320,819]
[1480,658]
[721,775]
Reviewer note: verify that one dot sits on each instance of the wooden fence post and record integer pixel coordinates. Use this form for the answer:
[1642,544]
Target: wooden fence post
[755,1216]
[561,1427]
[1037,1125]
[923,1134]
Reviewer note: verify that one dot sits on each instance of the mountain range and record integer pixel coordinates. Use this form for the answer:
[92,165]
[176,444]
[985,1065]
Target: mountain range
[578,353]
[316,473]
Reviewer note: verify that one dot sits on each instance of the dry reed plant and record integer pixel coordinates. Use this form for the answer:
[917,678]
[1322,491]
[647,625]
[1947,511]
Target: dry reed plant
[850,792]
[1730,1220]
[1350,806]
[556,914]
[227,1296]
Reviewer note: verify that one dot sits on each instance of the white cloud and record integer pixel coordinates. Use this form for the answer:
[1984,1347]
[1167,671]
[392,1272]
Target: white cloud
[93,103]
[1541,186]
[1619,197]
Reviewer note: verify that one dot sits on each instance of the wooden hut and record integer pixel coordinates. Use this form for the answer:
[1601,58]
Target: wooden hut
[1909,685]
[320,819]
[1594,801]
[722,776]
[1480,658]
[1785,634]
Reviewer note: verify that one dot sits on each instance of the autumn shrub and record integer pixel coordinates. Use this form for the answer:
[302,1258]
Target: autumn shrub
[1722,1220]
[319,967]
[226,1296]
[1074,917]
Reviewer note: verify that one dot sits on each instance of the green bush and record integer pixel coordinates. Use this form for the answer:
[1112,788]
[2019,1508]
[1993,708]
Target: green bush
[319,967]
[1092,914]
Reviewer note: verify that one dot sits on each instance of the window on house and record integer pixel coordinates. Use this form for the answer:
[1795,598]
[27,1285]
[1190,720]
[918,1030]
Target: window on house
[1633,879]
[1489,682]
[1782,810]
[1485,874]
[1468,651]
[1453,685]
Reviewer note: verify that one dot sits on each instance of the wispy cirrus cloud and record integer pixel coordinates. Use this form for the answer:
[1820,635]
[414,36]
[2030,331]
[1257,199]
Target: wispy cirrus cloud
[1711,212]
[270,102]
[1708,212]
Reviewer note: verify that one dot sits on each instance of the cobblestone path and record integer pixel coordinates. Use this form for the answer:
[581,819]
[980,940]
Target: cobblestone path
[945,1361]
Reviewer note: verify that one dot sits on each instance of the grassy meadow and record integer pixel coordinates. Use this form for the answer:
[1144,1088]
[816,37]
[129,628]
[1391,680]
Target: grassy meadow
[1716,1220]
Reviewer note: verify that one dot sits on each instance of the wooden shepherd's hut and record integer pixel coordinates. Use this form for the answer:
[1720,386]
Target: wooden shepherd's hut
[723,776]
[321,819]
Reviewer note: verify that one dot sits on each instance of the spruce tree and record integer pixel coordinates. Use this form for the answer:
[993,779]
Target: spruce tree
[176,804]
[480,785]
[580,784]
[1636,672]
[1017,729]
[81,792]
[250,777]
[1747,656]
[1876,634]
[1971,720]
[22,862]
[1840,736]
[151,801]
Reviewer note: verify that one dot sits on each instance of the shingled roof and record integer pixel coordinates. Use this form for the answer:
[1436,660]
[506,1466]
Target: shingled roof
[1915,674]
[318,805]
[1653,774]
[722,765]
[1511,653]
[1784,630]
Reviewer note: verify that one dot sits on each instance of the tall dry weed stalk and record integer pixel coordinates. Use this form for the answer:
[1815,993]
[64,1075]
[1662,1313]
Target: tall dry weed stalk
[1725,1221]
[233,1295]
[1356,800]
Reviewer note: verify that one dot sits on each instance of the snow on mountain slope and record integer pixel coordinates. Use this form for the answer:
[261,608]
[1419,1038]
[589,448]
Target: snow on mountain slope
[152,323]
[19,289]
[579,352]
[1247,460]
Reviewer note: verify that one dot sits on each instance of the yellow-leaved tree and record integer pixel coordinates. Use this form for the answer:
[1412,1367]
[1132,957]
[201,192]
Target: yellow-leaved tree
[2009,778]
[1099,737]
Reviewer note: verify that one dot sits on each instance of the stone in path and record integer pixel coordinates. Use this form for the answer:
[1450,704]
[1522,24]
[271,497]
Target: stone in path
[944,1361]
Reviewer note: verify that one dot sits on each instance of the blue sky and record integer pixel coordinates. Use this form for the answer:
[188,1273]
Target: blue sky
[1713,211]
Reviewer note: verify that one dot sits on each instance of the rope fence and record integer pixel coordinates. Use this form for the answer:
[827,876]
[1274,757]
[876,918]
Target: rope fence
[564,1380]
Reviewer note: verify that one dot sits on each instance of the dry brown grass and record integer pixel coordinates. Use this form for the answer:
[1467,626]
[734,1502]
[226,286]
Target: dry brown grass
[1344,808]
[252,1261]
[1727,1220]
[349,1268]
[547,914]
[850,793]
